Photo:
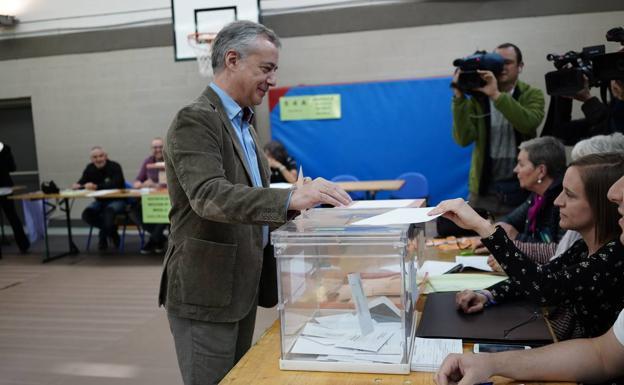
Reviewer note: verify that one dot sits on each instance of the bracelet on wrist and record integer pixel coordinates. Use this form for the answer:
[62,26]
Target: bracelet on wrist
[488,296]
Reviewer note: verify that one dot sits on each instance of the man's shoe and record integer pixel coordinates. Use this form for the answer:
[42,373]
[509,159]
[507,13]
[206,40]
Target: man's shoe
[115,239]
[148,248]
[160,247]
[102,244]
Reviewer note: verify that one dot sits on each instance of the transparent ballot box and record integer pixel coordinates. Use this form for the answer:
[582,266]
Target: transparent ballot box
[346,293]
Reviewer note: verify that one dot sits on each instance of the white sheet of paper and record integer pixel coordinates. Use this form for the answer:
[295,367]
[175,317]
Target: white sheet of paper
[314,330]
[100,193]
[381,204]
[338,321]
[361,305]
[404,215]
[435,268]
[281,185]
[476,262]
[370,342]
[304,345]
[430,352]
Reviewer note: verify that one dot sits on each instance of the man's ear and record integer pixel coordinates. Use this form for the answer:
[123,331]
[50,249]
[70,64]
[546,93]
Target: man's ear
[231,59]
[520,67]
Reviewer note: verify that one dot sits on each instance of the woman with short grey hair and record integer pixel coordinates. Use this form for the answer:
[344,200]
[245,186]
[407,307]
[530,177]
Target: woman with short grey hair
[540,169]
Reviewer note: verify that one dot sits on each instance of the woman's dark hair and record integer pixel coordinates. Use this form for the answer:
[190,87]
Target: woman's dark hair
[598,173]
[277,151]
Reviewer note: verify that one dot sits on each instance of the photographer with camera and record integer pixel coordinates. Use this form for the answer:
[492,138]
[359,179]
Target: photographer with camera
[501,113]
[575,74]
[599,118]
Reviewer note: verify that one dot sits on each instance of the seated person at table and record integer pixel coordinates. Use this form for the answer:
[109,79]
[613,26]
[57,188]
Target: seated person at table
[596,360]
[102,174]
[283,166]
[583,279]
[544,252]
[149,178]
[540,168]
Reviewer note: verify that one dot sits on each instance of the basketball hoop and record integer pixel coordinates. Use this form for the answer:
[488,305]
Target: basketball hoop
[201,42]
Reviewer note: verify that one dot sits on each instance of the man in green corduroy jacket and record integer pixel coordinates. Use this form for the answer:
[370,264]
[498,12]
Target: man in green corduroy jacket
[504,113]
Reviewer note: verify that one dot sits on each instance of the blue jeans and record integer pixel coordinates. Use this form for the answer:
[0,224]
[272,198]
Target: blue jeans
[101,214]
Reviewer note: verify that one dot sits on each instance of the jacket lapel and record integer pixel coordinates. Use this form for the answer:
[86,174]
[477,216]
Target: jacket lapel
[218,106]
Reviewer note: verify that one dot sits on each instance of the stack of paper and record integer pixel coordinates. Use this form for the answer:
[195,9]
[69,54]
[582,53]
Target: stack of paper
[430,352]
[337,338]
[473,261]
[100,193]
[459,282]
[461,264]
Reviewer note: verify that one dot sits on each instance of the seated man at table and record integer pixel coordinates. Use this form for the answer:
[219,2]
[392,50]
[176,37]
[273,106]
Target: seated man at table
[148,177]
[102,174]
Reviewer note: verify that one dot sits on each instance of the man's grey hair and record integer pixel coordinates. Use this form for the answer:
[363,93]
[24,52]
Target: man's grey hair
[239,36]
[599,144]
[548,151]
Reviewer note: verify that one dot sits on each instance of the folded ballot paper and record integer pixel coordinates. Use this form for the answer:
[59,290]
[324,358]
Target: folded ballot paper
[339,338]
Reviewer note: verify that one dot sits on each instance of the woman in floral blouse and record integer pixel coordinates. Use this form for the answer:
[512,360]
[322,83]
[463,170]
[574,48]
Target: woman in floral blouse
[587,278]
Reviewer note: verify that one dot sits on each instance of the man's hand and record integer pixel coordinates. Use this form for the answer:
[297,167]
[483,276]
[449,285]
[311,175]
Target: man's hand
[273,163]
[458,211]
[491,84]
[456,91]
[469,301]
[511,231]
[465,369]
[137,184]
[90,186]
[316,192]
[76,186]
[583,95]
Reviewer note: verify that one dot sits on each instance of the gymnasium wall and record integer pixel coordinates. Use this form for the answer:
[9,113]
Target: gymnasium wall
[121,98]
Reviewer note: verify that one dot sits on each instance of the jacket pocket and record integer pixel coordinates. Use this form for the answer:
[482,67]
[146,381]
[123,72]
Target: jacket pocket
[207,273]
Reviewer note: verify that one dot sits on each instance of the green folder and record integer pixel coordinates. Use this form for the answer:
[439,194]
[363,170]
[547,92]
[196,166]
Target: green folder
[461,281]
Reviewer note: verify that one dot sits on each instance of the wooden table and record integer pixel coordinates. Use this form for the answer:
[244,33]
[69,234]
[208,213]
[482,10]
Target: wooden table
[372,186]
[63,201]
[260,366]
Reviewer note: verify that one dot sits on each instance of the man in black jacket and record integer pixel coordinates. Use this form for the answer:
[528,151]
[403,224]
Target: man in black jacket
[102,174]
[7,165]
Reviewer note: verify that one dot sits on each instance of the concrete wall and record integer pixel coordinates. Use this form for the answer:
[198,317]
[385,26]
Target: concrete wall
[120,99]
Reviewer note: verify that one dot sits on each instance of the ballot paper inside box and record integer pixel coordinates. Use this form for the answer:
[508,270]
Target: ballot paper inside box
[347,293]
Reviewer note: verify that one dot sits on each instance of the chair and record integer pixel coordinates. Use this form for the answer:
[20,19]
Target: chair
[416,186]
[355,195]
[125,220]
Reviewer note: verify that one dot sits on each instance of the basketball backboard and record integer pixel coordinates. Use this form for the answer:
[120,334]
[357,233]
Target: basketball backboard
[199,16]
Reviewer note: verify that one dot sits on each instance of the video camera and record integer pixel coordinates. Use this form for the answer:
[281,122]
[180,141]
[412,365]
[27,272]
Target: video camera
[469,79]
[591,65]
